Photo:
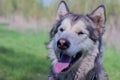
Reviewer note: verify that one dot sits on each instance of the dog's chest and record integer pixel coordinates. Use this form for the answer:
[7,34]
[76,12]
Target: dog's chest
[70,75]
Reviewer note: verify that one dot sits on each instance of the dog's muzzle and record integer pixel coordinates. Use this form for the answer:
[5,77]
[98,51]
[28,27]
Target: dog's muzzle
[65,60]
[63,44]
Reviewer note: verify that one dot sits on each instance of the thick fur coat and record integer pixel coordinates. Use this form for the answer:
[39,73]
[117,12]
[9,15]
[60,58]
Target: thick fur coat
[76,45]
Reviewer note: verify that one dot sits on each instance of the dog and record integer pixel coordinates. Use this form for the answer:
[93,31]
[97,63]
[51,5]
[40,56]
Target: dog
[76,45]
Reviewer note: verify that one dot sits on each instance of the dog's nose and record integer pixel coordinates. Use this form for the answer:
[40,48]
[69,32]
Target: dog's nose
[63,44]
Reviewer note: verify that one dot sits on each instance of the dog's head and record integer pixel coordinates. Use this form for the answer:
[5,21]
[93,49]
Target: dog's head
[74,34]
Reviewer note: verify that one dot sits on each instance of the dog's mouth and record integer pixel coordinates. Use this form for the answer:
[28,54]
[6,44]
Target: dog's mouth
[65,62]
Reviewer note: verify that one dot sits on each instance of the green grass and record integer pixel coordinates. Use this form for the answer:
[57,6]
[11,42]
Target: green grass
[112,63]
[23,56]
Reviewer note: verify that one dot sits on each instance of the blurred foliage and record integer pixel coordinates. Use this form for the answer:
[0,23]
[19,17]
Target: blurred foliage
[35,8]
[23,55]
[20,7]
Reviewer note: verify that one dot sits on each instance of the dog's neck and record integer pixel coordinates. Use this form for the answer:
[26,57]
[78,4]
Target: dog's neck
[80,69]
[87,64]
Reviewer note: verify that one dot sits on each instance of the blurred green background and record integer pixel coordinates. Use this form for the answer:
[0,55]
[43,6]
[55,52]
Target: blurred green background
[24,30]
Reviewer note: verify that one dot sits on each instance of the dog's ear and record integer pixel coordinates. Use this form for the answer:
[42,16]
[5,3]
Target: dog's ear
[98,16]
[62,10]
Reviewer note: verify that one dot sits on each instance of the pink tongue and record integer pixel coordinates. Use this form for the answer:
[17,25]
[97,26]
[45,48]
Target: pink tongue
[59,66]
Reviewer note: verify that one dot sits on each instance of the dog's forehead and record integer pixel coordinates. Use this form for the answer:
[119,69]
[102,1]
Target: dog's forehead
[66,22]
[74,24]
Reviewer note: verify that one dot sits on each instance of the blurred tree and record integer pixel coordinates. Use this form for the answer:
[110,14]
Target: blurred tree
[36,8]
[2,7]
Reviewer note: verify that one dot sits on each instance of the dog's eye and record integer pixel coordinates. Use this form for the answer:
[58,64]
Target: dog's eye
[61,29]
[80,33]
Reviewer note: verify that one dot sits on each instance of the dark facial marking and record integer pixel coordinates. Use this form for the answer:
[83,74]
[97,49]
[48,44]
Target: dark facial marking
[92,33]
[54,30]
[75,17]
